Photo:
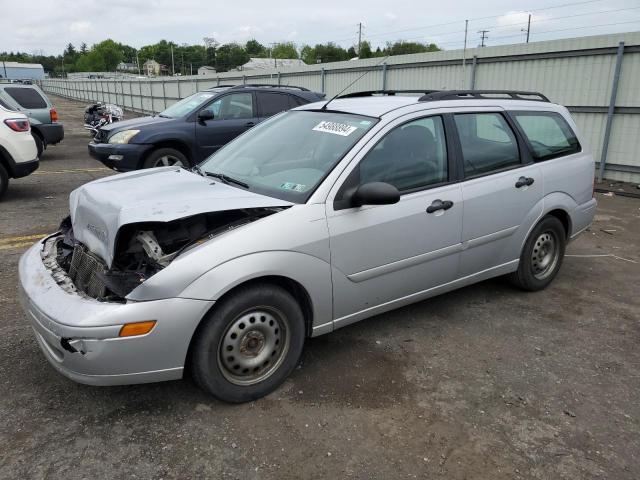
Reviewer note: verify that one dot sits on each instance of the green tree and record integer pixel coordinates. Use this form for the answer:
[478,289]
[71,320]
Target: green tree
[365,50]
[83,48]
[402,47]
[230,56]
[329,52]
[255,49]
[284,50]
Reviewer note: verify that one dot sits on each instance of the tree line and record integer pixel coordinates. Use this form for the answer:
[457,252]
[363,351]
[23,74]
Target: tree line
[106,55]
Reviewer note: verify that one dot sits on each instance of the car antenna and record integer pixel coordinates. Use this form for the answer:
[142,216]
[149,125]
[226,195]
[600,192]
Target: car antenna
[324,107]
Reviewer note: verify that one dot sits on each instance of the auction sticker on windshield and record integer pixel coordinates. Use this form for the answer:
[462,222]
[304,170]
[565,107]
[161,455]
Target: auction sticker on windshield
[335,127]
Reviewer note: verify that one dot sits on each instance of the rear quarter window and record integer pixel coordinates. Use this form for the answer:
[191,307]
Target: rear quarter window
[548,134]
[27,97]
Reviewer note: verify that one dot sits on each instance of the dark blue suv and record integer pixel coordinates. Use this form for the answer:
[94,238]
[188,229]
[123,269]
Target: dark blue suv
[192,129]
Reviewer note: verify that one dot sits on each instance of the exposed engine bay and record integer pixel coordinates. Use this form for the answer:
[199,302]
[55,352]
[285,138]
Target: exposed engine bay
[142,250]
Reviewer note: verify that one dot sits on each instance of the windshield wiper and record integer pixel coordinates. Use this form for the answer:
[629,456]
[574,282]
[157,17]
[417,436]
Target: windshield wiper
[225,178]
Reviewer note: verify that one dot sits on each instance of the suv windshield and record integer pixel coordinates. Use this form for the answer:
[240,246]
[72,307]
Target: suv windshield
[187,105]
[288,156]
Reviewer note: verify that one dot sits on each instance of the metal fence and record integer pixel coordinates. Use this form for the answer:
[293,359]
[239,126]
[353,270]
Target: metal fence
[595,77]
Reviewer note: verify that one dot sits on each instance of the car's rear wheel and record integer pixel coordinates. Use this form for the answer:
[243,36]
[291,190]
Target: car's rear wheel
[541,256]
[39,143]
[4,181]
[166,157]
[249,344]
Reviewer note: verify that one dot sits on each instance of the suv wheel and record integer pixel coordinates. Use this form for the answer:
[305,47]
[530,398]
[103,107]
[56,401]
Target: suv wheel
[541,256]
[39,143]
[166,157]
[249,344]
[4,180]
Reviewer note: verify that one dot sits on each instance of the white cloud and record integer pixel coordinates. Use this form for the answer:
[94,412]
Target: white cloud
[82,26]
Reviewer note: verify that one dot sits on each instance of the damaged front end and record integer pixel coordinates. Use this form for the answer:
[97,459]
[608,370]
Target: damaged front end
[141,250]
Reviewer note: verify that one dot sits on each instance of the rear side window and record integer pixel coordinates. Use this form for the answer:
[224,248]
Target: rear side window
[488,143]
[272,103]
[548,134]
[296,101]
[26,97]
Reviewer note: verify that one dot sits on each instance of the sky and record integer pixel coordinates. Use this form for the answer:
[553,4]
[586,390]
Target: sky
[46,26]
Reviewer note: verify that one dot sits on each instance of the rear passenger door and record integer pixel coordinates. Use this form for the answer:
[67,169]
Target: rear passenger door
[233,114]
[501,191]
[271,103]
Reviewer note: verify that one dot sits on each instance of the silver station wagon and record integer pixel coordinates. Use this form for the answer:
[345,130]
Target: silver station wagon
[317,218]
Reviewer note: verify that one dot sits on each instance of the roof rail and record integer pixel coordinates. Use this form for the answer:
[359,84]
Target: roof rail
[269,85]
[483,95]
[371,93]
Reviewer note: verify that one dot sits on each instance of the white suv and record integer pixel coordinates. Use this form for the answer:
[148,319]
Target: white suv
[18,152]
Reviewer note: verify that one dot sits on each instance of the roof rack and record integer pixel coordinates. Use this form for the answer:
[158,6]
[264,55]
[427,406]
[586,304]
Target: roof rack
[268,85]
[483,95]
[371,93]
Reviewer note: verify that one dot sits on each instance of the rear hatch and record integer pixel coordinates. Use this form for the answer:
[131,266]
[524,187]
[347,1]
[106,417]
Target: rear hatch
[29,100]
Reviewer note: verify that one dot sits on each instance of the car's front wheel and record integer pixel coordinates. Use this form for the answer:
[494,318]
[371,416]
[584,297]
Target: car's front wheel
[249,344]
[541,256]
[166,157]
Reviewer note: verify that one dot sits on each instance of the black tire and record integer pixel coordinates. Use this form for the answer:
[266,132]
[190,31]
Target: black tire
[246,313]
[541,256]
[4,181]
[39,143]
[156,158]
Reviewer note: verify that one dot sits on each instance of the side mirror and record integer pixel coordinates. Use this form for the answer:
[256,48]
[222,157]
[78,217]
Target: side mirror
[204,115]
[375,193]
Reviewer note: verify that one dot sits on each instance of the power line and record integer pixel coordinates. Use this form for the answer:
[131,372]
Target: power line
[480,18]
[522,23]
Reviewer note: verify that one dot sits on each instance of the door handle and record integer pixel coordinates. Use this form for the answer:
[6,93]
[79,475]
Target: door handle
[249,124]
[439,205]
[522,181]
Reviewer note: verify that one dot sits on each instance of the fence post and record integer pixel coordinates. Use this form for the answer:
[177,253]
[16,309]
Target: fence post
[611,111]
[244,79]
[178,85]
[278,78]
[322,75]
[153,110]
[164,96]
[384,76]
[218,80]
[474,66]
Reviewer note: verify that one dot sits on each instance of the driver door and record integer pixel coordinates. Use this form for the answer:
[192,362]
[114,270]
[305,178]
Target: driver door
[384,254]
[233,114]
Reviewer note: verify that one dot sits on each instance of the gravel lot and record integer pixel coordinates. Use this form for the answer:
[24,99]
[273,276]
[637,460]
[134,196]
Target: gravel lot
[486,382]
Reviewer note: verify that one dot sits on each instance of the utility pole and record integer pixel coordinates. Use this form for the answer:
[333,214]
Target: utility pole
[173,66]
[275,61]
[528,28]
[359,37]
[464,52]
[4,65]
[138,62]
[483,37]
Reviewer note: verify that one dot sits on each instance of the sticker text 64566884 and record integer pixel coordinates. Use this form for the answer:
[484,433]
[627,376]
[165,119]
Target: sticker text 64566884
[335,127]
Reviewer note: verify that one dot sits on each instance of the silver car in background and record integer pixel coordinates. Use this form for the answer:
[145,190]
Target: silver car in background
[317,218]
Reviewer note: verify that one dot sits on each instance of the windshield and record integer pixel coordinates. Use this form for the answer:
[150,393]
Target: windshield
[289,155]
[187,105]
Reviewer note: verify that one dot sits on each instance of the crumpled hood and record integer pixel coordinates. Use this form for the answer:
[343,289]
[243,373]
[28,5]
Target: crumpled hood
[99,208]
[133,123]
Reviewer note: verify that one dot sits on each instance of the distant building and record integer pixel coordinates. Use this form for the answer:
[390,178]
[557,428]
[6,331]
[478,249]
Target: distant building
[151,67]
[270,63]
[18,71]
[127,67]
[206,70]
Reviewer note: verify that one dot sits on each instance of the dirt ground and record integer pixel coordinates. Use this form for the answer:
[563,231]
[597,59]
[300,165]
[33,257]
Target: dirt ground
[486,382]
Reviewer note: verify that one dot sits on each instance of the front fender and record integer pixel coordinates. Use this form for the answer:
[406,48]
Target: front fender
[311,272]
